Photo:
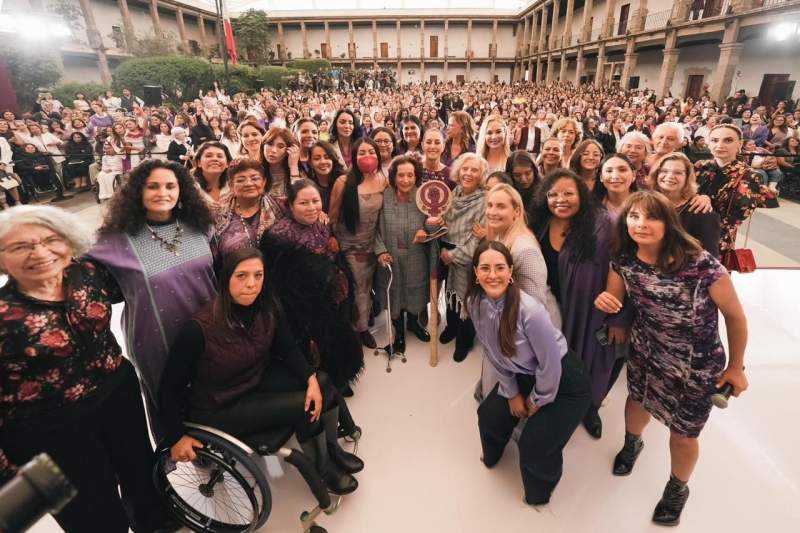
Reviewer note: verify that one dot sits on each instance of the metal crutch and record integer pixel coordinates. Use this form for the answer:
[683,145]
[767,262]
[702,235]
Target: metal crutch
[389,350]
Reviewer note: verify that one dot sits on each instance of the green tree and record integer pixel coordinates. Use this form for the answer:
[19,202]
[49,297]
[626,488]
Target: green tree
[65,92]
[310,65]
[29,70]
[173,73]
[252,36]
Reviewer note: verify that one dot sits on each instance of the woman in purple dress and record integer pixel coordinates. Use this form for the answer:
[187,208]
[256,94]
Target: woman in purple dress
[573,231]
[677,361]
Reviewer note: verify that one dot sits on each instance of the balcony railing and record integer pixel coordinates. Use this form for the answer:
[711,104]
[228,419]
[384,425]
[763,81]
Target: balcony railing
[657,20]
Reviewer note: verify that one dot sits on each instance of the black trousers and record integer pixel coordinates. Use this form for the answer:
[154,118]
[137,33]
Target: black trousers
[277,402]
[100,444]
[545,433]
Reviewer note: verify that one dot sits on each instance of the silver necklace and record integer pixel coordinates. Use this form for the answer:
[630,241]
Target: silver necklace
[170,246]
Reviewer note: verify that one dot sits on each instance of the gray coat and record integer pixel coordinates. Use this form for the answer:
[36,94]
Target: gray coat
[398,222]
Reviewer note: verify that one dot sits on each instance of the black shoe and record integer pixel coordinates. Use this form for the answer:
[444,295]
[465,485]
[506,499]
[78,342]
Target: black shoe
[414,327]
[399,345]
[461,353]
[669,508]
[336,481]
[593,423]
[367,339]
[347,461]
[451,330]
[626,458]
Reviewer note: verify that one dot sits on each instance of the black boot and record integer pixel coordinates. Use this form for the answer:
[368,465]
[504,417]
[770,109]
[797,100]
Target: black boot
[593,423]
[337,481]
[348,462]
[399,344]
[451,330]
[625,459]
[464,340]
[669,508]
[415,327]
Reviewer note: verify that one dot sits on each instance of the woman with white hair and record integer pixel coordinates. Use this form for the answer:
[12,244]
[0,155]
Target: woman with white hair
[636,146]
[180,149]
[467,212]
[67,389]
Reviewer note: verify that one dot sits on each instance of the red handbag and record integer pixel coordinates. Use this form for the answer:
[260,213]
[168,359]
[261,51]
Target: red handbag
[740,259]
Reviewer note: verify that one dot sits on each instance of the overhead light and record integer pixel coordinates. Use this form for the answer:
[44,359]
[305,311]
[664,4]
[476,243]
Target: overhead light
[784,31]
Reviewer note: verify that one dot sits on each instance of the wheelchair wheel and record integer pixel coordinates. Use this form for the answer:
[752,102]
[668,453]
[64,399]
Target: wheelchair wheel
[224,491]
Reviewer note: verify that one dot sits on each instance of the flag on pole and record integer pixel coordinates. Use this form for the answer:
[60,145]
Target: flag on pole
[230,43]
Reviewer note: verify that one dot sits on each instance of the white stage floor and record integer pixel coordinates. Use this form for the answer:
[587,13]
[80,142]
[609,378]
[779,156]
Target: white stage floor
[421,450]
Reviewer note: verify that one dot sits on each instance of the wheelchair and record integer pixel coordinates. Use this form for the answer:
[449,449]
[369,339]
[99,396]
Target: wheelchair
[94,169]
[225,490]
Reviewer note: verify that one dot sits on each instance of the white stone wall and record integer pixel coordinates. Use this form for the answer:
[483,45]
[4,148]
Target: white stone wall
[506,40]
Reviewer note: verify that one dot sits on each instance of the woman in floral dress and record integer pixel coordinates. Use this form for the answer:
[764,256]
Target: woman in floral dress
[677,361]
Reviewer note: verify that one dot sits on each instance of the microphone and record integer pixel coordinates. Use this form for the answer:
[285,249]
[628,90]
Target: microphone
[721,397]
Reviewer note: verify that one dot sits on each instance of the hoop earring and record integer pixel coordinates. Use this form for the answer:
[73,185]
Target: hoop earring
[511,281]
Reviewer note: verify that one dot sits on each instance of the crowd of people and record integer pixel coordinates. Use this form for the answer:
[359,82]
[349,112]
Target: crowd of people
[589,230]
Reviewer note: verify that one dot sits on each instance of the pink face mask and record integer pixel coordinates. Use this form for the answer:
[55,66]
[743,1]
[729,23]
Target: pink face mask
[367,164]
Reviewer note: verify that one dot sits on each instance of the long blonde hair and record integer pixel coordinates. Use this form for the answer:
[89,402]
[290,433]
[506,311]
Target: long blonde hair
[482,148]
[520,225]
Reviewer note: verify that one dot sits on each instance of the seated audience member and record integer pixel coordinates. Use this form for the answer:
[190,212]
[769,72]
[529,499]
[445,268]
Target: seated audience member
[268,385]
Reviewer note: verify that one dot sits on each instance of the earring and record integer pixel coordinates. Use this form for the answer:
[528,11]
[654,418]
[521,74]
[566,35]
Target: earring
[476,281]
[511,281]
[180,205]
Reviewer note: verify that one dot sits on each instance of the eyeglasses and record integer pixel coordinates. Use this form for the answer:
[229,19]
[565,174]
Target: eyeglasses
[241,180]
[383,141]
[53,243]
[567,195]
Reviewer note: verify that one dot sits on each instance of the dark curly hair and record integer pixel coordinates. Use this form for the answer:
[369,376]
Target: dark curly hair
[126,212]
[403,160]
[580,236]
[198,172]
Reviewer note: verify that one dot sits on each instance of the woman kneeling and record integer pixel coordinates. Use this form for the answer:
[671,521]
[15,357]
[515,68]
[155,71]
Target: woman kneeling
[247,375]
[539,378]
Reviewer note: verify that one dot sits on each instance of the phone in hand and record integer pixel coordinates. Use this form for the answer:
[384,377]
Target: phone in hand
[602,336]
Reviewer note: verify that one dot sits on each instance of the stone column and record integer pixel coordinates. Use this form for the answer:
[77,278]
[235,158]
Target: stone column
[283,52]
[127,25]
[534,38]
[399,54]
[201,23]
[493,47]
[156,20]
[351,45]
[608,25]
[182,31]
[562,69]
[586,30]
[446,26]
[328,39]
[539,68]
[639,15]
[96,42]
[374,43]
[566,40]
[523,47]
[680,11]
[671,54]
[467,73]
[306,51]
[729,52]
[550,66]
[422,50]
[555,37]
[630,63]
[543,30]
[580,66]
[601,64]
